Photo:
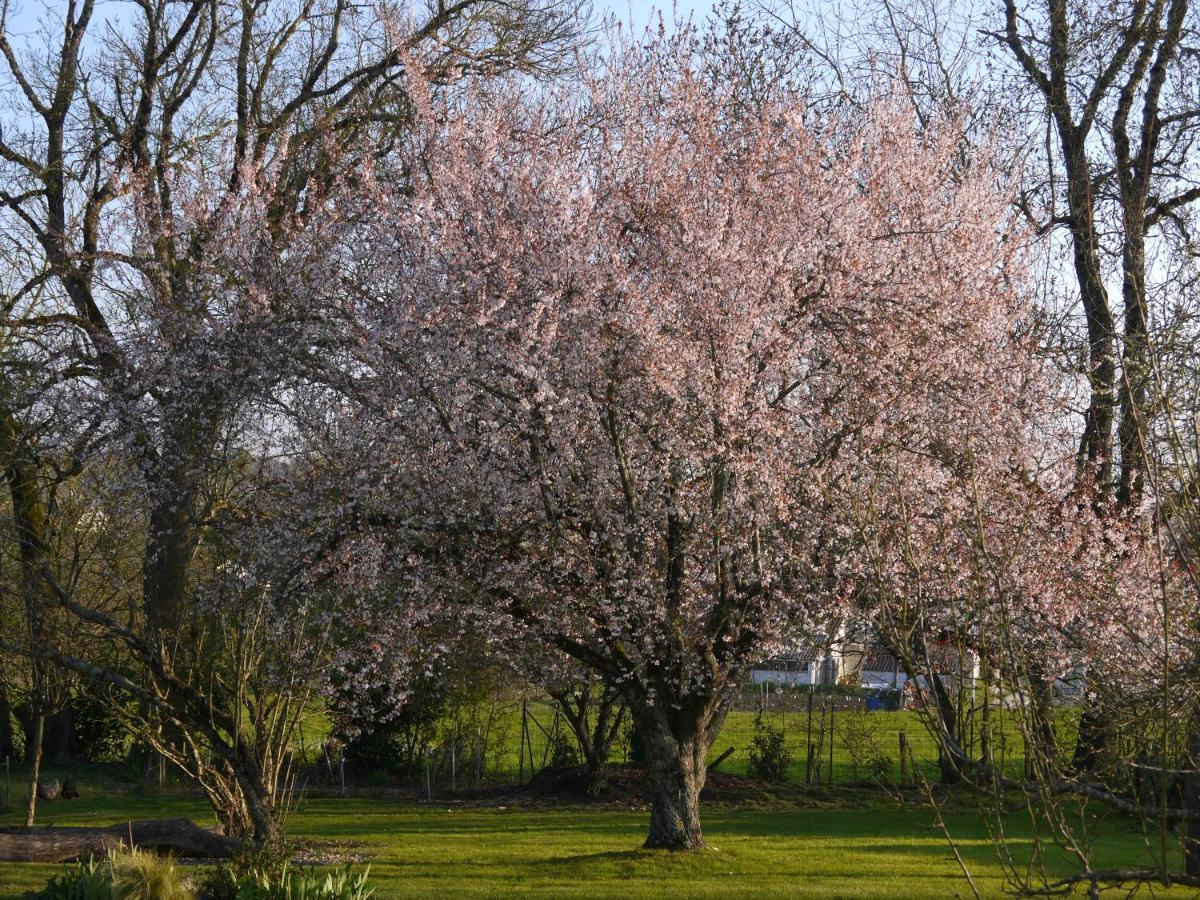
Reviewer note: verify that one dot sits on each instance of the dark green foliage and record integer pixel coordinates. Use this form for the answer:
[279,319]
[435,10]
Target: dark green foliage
[637,746]
[102,735]
[397,743]
[563,751]
[123,875]
[769,753]
[451,719]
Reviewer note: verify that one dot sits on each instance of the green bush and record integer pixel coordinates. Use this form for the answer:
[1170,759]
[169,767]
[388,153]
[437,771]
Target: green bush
[769,753]
[87,880]
[880,767]
[104,737]
[218,883]
[255,862]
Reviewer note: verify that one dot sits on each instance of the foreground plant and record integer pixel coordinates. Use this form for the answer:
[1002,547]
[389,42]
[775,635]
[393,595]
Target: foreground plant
[88,879]
[285,883]
[309,884]
[124,874]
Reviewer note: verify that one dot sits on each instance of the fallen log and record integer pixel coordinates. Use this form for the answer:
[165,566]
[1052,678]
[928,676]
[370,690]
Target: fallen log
[51,843]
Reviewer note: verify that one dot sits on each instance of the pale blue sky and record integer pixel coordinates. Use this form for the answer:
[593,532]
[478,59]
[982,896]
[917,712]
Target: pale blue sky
[24,13]
[639,12]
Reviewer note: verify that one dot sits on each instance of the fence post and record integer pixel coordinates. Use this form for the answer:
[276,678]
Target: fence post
[521,751]
[903,759]
[832,710]
[453,767]
[808,764]
[478,757]
[810,693]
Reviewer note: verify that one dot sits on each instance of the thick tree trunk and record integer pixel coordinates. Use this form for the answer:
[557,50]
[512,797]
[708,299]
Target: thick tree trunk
[257,795]
[675,751]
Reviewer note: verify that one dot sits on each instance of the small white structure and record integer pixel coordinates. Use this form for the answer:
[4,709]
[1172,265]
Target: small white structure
[880,669]
[806,665]
[863,663]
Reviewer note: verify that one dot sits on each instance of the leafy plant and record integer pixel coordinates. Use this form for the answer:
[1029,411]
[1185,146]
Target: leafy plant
[218,883]
[769,753]
[90,879]
[306,884]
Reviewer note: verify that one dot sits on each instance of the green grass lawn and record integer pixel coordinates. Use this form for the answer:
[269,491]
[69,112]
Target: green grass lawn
[419,850]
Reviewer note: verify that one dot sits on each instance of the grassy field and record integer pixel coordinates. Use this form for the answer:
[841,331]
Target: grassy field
[440,850]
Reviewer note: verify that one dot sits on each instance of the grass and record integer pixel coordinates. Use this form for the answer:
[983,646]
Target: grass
[420,850]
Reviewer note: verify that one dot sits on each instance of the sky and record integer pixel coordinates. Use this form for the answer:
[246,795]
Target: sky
[640,12]
[24,13]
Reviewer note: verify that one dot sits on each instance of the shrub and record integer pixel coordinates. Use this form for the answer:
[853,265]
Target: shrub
[143,875]
[769,753]
[103,734]
[218,883]
[880,768]
[90,879]
[123,875]
[562,749]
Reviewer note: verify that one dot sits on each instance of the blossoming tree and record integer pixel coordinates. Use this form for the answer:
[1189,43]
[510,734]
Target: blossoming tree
[632,348]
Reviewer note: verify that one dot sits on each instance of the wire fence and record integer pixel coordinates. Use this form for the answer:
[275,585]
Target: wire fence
[826,736]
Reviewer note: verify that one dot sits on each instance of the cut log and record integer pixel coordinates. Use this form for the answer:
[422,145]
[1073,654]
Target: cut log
[50,843]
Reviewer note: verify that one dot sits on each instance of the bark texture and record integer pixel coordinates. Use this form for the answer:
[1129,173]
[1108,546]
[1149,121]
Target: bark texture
[54,844]
[675,749]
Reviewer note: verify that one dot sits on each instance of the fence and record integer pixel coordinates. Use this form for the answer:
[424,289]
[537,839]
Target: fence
[831,736]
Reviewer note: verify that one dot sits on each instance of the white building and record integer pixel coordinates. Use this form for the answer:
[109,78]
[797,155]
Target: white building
[864,664]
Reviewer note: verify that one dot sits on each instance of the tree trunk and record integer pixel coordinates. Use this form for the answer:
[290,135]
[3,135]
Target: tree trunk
[593,740]
[948,769]
[59,742]
[1090,742]
[675,766]
[35,773]
[7,745]
[257,795]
